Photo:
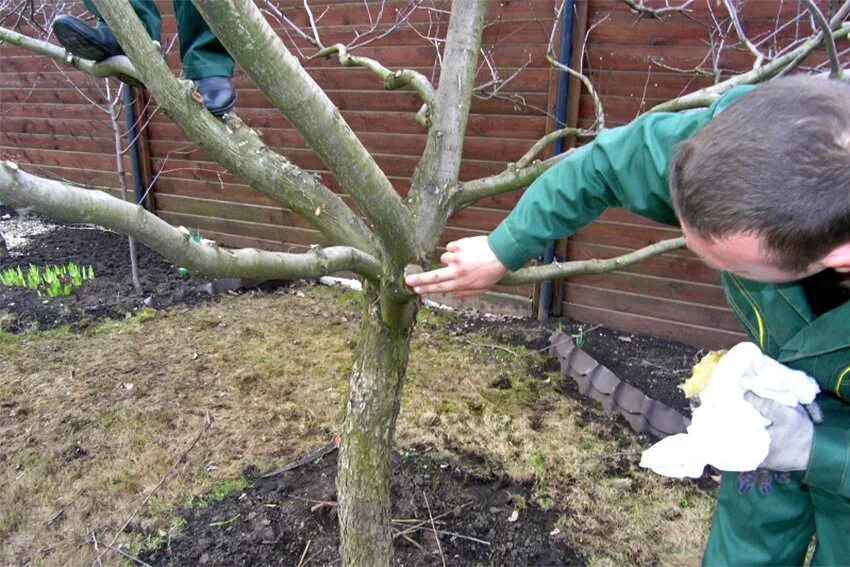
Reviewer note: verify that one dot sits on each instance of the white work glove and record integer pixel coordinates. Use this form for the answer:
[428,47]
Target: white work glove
[727,430]
[791,430]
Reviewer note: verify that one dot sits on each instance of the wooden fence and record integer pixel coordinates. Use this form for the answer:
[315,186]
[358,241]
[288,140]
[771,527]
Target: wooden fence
[48,123]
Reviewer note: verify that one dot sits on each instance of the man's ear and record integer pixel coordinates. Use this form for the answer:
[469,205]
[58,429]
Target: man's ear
[839,258]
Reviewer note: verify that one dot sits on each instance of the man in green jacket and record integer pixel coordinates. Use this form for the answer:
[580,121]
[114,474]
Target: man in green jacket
[760,185]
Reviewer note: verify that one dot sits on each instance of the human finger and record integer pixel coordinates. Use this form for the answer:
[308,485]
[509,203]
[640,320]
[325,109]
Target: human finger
[448,257]
[439,287]
[453,246]
[432,277]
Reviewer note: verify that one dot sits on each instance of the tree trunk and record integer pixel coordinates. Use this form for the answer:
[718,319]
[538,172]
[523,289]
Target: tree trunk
[363,477]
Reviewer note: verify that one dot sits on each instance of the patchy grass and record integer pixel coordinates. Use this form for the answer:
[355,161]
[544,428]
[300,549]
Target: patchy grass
[90,422]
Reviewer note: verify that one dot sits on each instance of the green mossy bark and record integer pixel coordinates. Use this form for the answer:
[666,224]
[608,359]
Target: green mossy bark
[363,478]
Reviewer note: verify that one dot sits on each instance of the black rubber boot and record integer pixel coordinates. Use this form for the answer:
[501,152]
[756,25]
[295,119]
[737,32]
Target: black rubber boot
[93,43]
[218,92]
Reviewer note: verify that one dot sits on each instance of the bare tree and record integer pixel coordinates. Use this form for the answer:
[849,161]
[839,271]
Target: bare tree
[395,234]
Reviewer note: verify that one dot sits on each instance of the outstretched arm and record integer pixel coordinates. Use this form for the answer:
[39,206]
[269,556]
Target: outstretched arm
[624,167]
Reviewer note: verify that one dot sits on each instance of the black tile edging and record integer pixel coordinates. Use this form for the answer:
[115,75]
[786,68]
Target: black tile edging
[644,414]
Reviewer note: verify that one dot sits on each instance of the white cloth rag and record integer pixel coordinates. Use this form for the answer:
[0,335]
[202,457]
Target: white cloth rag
[726,431]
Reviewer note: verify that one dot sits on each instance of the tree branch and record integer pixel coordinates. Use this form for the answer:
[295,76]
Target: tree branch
[548,138]
[557,270]
[597,103]
[779,66]
[519,174]
[392,79]
[510,179]
[232,144]
[733,14]
[59,200]
[437,172]
[826,30]
[112,67]
[657,13]
[242,29]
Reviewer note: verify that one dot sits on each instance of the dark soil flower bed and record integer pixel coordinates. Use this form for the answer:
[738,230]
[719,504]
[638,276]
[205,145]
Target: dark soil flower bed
[292,517]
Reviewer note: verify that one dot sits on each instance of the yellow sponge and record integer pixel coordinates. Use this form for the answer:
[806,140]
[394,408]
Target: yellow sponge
[701,373]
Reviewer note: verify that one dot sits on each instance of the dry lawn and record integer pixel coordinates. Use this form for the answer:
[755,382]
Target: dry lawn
[90,422]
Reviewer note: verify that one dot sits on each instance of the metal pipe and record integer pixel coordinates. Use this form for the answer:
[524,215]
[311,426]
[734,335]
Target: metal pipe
[132,135]
[547,290]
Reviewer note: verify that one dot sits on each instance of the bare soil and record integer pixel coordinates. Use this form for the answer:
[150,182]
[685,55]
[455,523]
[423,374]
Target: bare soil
[291,518]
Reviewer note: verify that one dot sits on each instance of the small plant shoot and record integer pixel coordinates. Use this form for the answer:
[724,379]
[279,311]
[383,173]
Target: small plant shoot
[52,281]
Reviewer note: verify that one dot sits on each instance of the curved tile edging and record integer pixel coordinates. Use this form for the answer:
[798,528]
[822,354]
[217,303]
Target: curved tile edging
[644,414]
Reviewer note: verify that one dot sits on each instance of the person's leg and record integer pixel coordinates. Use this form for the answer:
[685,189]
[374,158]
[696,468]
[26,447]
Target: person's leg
[145,9]
[200,51]
[832,524]
[98,43]
[756,529]
[205,60]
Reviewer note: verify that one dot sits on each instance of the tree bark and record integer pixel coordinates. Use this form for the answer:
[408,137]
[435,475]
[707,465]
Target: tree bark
[437,172]
[363,476]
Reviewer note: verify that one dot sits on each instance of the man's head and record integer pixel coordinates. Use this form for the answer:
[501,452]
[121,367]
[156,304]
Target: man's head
[763,189]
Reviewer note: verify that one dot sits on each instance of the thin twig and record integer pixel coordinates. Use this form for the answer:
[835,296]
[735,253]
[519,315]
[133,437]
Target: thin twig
[65,507]
[410,540]
[457,535]
[433,527]
[733,14]
[657,13]
[500,347]
[132,558]
[420,523]
[180,459]
[301,561]
[832,52]
[96,549]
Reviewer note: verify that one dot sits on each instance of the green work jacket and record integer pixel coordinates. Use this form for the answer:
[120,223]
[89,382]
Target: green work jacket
[627,167]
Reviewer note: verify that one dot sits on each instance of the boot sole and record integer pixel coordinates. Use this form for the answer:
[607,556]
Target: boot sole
[74,37]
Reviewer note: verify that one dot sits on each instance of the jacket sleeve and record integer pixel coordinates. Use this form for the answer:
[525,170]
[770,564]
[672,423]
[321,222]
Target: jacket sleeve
[829,466]
[624,167]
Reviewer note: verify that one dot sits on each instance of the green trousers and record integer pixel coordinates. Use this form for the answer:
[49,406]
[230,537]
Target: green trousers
[776,529]
[200,51]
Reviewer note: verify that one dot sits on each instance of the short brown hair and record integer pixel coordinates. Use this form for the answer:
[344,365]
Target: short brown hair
[776,163]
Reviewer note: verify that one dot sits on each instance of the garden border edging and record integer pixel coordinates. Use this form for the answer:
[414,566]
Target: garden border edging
[644,414]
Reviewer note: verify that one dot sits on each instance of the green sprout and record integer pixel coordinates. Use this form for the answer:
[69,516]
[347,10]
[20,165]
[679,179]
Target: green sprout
[53,280]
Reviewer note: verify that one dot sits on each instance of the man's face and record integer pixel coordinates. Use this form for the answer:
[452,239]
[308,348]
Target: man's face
[744,255]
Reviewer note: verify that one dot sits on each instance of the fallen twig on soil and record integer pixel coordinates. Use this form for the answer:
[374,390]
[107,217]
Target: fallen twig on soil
[420,523]
[96,549]
[65,507]
[433,527]
[500,347]
[301,561]
[180,459]
[132,558]
[453,534]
